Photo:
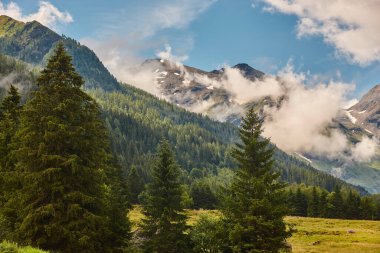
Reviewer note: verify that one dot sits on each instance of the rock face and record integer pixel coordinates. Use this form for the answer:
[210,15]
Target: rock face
[202,91]
[366,113]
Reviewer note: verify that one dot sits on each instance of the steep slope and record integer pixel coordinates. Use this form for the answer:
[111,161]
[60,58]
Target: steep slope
[32,42]
[366,113]
[137,120]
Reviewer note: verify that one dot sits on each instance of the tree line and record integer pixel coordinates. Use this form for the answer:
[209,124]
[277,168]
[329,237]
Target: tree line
[339,203]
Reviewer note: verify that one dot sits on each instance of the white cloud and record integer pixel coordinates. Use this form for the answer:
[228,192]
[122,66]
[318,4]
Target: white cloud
[365,149]
[177,14]
[351,26]
[131,32]
[47,14]
[167,54]
[299,124]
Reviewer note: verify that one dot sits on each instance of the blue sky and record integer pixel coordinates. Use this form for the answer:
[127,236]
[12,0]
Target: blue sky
[209,34]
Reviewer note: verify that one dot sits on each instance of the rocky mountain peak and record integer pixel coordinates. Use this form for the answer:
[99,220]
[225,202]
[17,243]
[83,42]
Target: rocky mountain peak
[248,71]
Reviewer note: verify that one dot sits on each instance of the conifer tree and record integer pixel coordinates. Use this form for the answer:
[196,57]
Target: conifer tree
[254,207]
[135,185]
[9,119]
[352,205]
[313,204]
[300,203]
[63,155]
[335,204]
[164,225]
[202,195]
[9,181]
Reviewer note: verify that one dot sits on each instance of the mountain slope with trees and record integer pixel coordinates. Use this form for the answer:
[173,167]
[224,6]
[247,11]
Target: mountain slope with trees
[138,120]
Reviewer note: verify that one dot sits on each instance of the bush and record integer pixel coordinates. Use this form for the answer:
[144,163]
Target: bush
[209,236]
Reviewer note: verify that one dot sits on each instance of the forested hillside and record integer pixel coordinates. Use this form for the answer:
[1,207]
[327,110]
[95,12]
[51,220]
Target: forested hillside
[136,119]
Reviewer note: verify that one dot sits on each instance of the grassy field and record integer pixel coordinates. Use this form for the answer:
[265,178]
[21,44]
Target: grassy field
[315,235]
[331,235]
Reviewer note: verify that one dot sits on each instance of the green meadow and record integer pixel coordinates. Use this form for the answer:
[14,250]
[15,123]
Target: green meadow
[313,235]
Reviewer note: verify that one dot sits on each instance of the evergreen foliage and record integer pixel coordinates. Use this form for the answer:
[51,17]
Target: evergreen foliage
[165,223]
[9,181]
[313,207]
[135,185]
[62,153]
[255,205]
[341,203]
[299,202]
[202,195]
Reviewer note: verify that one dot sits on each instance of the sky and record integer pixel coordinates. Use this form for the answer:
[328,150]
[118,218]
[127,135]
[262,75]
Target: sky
[328,40]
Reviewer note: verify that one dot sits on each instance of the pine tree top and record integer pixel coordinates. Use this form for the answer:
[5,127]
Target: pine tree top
[11,102]
[60,70]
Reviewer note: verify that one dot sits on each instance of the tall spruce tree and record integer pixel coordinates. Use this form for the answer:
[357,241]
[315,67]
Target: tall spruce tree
[254,207]
[9,119]
[165,222]
[299,203]
[135,185]
[9,181]
[63,155]
[335,204]
[313,209]
[352,205]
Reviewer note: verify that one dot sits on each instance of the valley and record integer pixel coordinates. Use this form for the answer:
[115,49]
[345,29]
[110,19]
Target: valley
[152,128]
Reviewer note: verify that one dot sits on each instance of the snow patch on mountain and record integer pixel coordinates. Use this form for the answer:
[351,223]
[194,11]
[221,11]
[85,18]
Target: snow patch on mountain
[350,117]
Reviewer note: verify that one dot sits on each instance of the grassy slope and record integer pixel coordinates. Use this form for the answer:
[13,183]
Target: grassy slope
[313,235]
[7,247]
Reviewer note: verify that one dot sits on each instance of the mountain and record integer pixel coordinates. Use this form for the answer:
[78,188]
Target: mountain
[204,92]
[138,120]
[33,43]
[359,122]
[366,113]
[214,94]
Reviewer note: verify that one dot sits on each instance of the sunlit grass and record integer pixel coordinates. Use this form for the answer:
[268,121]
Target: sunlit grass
[313,235]
[8,247]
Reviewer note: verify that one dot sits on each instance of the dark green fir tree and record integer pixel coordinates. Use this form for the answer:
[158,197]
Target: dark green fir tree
[9,180]
[335,204]
[313,209]
[254,207]
[165,222]
[299,203]
[135,185]
[352,205]
[68,195]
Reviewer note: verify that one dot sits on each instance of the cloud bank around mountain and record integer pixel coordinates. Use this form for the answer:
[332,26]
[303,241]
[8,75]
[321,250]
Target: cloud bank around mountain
[351,26]
[47,14]
[300,124]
